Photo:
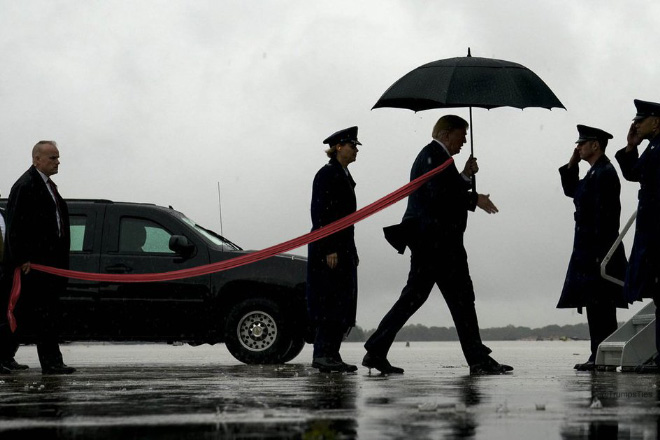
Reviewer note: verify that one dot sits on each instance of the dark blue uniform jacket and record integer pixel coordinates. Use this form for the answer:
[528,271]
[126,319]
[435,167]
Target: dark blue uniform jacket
[642,277]
[597,212]
[332,293]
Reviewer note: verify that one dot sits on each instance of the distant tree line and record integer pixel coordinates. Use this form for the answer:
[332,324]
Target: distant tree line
[418,332]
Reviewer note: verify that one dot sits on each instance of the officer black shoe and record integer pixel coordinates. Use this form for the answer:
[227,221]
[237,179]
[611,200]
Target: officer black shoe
[13,365]
[380,363]
[328,365]
[4,370]
[587,366]
[348,368]
[649,367]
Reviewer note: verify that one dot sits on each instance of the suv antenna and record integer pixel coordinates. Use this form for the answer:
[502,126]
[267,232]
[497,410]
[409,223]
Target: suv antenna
[220,209]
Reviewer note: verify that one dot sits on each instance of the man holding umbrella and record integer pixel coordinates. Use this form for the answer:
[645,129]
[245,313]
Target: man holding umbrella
[433,227]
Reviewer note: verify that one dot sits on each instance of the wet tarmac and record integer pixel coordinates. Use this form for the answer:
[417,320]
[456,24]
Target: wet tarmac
[184,392]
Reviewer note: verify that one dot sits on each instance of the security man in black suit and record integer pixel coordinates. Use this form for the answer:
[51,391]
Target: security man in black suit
[332,261]
[643,274]
[597,211]
[8,343]
[433,227]
[38,232]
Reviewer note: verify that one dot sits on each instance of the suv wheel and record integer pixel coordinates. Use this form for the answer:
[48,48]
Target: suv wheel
[256,332]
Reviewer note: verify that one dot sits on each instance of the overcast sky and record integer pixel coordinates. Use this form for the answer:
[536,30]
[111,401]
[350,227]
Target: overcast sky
[161,101]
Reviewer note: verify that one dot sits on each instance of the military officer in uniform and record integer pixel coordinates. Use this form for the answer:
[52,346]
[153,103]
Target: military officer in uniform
[332,261]
[643,274]
[597,212]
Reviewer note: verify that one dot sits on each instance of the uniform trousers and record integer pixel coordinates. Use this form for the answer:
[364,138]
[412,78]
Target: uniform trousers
[601,319]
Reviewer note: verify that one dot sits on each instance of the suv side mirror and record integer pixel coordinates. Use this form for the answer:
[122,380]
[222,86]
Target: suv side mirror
[181,245]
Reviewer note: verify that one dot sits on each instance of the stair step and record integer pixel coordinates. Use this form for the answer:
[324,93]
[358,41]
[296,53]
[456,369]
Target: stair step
[612,346]
[642,319]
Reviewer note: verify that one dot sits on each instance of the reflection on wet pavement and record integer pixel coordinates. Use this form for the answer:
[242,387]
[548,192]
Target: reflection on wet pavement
[174,392]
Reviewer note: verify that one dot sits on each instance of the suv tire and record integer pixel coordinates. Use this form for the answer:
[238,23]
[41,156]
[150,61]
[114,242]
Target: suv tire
[256,332]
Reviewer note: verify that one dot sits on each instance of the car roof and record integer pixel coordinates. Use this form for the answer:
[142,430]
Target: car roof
[3,200]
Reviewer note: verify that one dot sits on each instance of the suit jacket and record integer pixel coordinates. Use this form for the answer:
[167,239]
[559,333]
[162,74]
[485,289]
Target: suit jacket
[644,267]
[436,215]
[597,212]
[32,229]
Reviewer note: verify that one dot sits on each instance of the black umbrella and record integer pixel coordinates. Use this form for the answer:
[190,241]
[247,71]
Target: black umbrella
[469,82]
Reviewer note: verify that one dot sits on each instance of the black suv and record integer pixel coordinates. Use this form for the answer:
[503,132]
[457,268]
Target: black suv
[257,310]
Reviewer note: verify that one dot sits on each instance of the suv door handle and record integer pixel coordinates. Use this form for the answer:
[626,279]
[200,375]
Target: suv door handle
[119,268]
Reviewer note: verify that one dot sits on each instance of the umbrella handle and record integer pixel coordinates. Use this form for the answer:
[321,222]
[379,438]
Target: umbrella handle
[474,177]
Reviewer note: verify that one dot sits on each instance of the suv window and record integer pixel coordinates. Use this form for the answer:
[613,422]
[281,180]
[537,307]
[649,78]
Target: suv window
[77,227]
[140,235]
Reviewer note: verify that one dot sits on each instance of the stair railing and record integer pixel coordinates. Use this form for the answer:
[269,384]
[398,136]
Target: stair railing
[603,264]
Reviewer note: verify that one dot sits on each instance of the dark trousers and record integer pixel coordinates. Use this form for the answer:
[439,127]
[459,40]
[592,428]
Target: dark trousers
[449,270]
[37,315]
[602,323]
[327,341]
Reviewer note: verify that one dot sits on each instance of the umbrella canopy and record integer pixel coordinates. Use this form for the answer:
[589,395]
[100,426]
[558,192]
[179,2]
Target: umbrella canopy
[469,82]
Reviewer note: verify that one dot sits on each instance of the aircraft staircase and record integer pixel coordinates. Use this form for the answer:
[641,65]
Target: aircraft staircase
[633,343]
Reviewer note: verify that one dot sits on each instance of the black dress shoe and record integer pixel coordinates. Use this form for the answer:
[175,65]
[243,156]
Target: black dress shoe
[348,368]
[13,365]
[587,366]
[380,363]
[4,370]
[328,364]
[484,369]
[649,367]
[58,369]
[489,367]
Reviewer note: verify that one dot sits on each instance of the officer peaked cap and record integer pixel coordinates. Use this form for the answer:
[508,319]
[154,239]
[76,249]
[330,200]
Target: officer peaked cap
[587,133]
[646,109]
[342,136]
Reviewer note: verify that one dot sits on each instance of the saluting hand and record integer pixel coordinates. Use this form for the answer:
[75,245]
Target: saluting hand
[575,158]
[633,138]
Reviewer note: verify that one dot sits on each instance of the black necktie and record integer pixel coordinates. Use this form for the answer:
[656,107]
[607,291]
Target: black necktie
[56,195]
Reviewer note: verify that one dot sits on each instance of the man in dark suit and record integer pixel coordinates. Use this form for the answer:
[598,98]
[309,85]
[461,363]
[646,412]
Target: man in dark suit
[597,211]
[38,232]
[434,224]
[643,274]
[8,344]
